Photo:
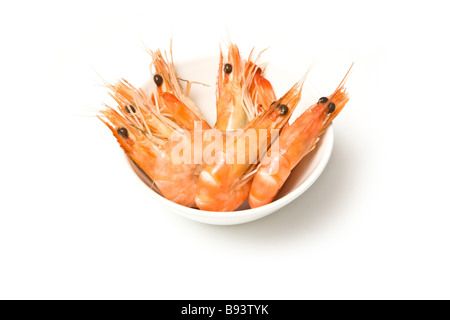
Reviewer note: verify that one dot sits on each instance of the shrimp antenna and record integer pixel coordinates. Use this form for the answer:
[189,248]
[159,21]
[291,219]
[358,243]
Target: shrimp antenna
[343,81]
[144,46]
[229,37]
[299,85]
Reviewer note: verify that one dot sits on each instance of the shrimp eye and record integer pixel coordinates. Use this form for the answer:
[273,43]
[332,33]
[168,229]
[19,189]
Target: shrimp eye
[284,109]
[123,132]
[227,68]
[130,108]
[158,80]
[323,100]
[331,107]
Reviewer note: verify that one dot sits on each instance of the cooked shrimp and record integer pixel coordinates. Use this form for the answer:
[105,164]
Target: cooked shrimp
[241,88]
[295,142]
[225,184]
[143,133]
[170,94]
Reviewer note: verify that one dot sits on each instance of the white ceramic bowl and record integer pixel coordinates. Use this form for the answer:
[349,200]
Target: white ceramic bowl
[302,177]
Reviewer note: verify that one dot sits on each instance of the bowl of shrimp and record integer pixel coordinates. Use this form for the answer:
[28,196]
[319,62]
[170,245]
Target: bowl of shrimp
[240,152]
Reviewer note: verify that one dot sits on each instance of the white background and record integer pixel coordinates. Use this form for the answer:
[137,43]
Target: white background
[375,225]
